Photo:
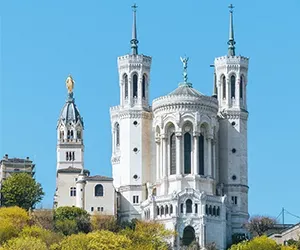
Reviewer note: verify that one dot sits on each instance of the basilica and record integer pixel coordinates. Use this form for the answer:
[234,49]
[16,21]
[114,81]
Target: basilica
[180,160]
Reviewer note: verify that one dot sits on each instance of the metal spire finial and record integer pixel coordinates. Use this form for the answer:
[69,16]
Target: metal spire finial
[134,42]
[231,42]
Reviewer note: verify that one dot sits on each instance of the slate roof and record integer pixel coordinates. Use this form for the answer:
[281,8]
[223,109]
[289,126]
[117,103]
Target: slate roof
[72,170]
[70,112]
[185,90]
[98,178]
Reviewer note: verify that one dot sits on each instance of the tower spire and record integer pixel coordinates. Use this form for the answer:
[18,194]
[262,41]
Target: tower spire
[231,42]
[134,42]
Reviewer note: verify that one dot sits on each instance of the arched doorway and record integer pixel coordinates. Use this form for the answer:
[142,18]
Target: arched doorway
[188,236]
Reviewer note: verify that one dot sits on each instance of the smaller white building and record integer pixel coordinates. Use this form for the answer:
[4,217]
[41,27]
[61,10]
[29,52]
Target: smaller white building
[74,185]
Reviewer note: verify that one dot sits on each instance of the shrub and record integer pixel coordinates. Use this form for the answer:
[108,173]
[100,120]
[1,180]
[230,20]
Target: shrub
[46,236]
[43,218]
[24,243]
[104,222]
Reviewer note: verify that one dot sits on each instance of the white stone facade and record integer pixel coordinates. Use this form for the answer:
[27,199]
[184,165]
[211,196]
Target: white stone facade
[183,160]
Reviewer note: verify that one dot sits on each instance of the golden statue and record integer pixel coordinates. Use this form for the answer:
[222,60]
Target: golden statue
[70,84]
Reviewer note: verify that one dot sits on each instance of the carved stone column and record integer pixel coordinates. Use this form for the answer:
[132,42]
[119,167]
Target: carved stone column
[178,153]
[209,158]
[164,155]
[196,153]
[158,156]
[214,159]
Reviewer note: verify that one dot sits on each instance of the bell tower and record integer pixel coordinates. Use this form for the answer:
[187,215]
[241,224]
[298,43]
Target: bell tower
[231,77]
[69,149]
[131,128]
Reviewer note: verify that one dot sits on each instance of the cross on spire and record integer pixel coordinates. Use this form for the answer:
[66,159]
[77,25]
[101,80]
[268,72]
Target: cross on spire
[231,7]
[134,42]
[134,7]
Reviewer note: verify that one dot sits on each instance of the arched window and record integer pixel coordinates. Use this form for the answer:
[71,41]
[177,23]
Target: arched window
[206,209]
[215,84]
[67,156]
[188,205]
[117,131]
[171,209]
[241,86]
[72,134]
[157,210]
[73,156]
[181,208]
[232,83]
[125,79]
[214,211]
[187,153]
[210,210]
[224,86]
[69,134]
[172,154]
[135,85]
[144,86]
[61,135]
[196,208]
[161,210]
[98,190]
[218,211]
[166,210]
[78,134]
[73,191]
[201,154]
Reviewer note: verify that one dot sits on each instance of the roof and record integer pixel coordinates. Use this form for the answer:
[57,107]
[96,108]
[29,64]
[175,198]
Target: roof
[98,178]
[70,112]
[72,170]
[185,90]
[16,160]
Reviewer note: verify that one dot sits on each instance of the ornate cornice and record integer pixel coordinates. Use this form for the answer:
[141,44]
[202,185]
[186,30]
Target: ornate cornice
[185,106]
[127,114]
[233,114]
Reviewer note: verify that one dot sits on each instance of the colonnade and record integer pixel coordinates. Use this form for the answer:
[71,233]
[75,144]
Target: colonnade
[163,155]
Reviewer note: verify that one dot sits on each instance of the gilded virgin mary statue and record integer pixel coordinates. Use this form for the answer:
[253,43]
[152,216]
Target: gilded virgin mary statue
[70,84]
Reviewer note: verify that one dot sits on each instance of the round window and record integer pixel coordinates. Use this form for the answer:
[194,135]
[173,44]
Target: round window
[135,150]
[135,123]
[233,123]
[233,150]
[233,177]
[135,176]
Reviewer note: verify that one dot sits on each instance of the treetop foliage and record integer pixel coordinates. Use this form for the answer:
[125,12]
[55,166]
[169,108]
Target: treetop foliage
[21,190]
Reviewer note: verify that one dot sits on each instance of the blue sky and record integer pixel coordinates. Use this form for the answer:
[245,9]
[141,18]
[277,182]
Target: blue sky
[44,41]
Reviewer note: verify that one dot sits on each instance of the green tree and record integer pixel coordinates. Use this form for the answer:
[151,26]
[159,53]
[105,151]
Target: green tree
[21,190]
[71,220]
